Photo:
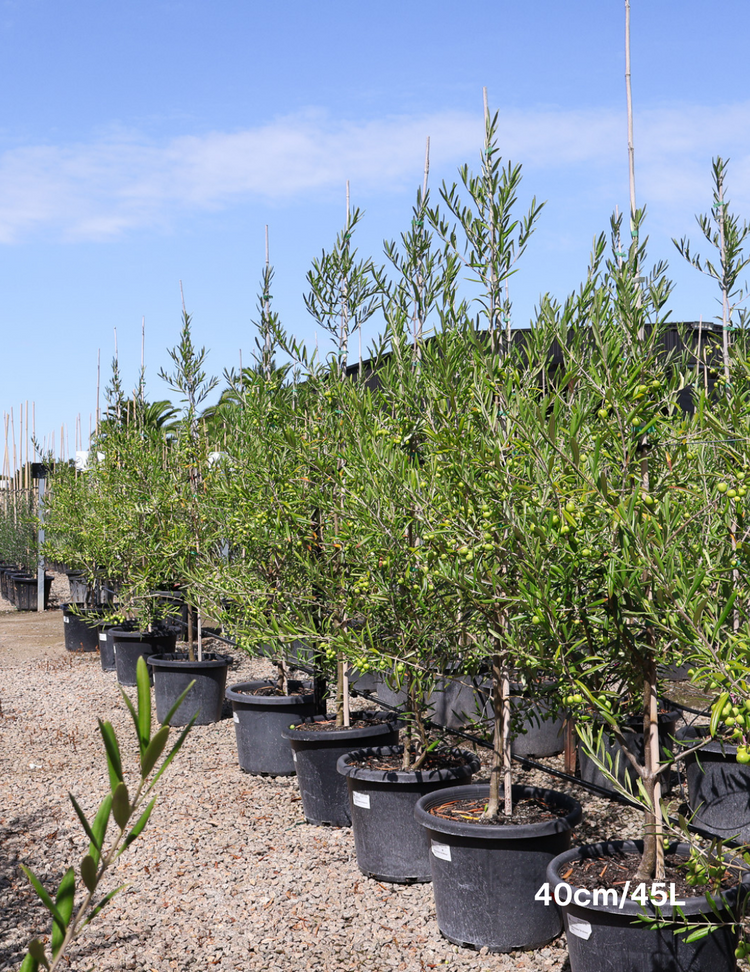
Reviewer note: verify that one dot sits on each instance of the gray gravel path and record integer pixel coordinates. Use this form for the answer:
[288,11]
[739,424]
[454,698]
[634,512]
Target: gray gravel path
[227,874]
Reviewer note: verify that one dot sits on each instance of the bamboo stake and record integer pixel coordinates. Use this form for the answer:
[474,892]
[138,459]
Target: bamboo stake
[13,435]
[143,354]
[27,469]
[629,96]
[266,311]
[98,381]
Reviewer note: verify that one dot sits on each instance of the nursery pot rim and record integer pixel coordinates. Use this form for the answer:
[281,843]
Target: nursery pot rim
[233,693]
[693,734]
[340,734]
[694,905]
[511,831]
[346,768]
[180,659]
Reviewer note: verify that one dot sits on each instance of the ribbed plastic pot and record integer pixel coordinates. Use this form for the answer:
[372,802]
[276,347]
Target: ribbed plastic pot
[25,589]
[634,737]
[129,646]
[79,588]
[541,731]
[316,752]
[79,628]
[485,877]
[5,573]
[259,721]
[105,631]
[460,700]
[611,938]
[172,675]
[390,844]
[718,787]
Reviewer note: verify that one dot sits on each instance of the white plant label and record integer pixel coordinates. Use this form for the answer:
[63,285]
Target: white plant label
[579,928]
[102,636]
[294,755]
[235,717]
[66,619]
[441,851]
[361,800]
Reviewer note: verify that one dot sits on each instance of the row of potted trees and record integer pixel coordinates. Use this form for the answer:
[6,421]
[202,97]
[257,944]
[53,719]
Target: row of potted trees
[530,507]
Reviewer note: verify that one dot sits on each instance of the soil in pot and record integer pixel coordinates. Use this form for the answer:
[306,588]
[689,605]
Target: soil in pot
[174,672]
[390,844]
[259,720]
[591,773]
[80,627]
[604,926]
[718,787]
[317,746]
[486,874]
[129,646]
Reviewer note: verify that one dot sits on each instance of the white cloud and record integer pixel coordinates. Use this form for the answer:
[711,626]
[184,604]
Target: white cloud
[124,181]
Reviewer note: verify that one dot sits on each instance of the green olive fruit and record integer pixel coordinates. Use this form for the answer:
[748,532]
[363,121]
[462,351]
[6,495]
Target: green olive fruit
[722,487]
[565,529]
[732,493]
[649,500]
[536,619]
[555,519]
[586,552]
[603,413]
[743,755]
[570,506]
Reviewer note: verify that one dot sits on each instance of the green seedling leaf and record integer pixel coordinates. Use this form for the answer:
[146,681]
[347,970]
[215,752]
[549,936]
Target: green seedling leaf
[114,762]
[36,955]
[698,934]
[89,872]
[121,806]
[133,715]
[153,751]
[65,899]
[29,964]
[82,817]
[48,903]
[138,829]
[175,749]
[144,703]
[99,827]
[178,703]
[105,901]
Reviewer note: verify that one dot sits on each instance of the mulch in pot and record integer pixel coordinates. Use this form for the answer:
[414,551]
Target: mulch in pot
[526,811]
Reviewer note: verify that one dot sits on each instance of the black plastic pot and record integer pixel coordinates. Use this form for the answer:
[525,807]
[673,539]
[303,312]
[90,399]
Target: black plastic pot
[718,787]
[25,591]
[5,583]
[106,645]
[541,730]
[174,672]
[611,937]
[390,844]
[325,798]
[485,876]
[129,646]
[79,588]
[259,721]
[79,628]
[634,737]
[460,700]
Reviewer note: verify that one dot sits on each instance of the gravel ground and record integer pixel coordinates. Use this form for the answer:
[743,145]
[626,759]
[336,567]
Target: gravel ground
[227,874]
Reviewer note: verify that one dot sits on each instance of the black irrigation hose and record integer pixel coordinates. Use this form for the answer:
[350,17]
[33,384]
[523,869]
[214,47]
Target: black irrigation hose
[524,761]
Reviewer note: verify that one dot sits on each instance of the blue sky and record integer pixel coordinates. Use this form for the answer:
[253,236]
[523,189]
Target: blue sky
[145,143]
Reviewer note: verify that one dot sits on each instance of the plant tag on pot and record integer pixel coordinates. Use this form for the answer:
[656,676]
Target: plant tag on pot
[361,800]
[102,636]
[579,928]
[235,717]
[441,851]
[294,755]
[66,619]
